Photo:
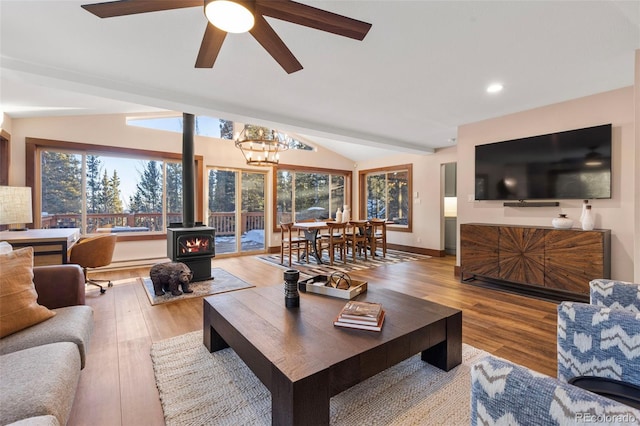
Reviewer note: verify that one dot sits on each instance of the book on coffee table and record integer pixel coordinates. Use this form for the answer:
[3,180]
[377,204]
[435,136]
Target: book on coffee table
[362,315]
[364,311]
[373,326]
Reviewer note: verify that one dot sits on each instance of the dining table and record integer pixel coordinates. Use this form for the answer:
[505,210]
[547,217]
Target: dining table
[311,230]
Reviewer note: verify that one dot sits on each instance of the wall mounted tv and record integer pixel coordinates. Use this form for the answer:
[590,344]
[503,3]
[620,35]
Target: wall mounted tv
[575,164]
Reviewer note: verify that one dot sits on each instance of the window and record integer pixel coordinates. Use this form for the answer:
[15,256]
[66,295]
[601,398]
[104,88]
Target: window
[386,194]
[308,194]
[237,209]
[98,188]
[204,126]
[207,126]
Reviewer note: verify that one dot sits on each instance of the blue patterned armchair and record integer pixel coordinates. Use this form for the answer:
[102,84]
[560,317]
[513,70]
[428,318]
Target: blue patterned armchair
[600,339]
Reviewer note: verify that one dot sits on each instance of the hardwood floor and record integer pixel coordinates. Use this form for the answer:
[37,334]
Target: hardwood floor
[117,386]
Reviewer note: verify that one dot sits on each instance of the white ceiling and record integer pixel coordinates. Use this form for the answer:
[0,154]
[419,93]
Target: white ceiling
[420,72]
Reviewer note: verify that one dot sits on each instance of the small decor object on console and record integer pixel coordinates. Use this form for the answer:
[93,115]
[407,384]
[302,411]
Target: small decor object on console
[562,222]
[588,222]
[361,315]
[170,276]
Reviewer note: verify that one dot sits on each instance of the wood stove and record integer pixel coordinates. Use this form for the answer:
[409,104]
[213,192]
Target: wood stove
[194,246]
[190,242]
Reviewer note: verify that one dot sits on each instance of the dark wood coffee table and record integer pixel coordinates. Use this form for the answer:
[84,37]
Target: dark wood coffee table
[304,360]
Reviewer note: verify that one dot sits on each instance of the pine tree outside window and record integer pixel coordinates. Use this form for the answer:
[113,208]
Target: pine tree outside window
[98,192]
[308,194]
[386,194]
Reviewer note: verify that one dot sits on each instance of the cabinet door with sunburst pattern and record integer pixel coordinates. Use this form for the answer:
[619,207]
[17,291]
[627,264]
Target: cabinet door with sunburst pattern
[479,250]
[522,255]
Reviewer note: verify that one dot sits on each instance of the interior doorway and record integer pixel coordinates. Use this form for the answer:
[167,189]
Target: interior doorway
[450,208]
[237,210]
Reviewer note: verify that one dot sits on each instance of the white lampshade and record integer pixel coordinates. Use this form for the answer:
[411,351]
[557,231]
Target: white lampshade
[229,16]
[15,206]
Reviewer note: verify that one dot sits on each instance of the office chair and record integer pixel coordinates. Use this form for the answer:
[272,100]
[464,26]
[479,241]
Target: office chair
[94,252]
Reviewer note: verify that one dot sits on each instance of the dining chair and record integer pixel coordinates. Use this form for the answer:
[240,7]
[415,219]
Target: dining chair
[334,239]
[377,235]
[291,243]
[356,236]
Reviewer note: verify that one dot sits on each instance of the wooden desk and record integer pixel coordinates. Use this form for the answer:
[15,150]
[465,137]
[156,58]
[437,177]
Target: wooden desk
[50,246]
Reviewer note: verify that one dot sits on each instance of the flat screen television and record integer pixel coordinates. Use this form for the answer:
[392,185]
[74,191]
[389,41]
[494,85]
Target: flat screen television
[574,164]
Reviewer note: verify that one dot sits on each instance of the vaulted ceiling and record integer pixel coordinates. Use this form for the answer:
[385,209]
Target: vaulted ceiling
[420,72]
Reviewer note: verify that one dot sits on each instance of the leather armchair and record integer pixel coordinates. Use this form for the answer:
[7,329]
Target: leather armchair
[59,285]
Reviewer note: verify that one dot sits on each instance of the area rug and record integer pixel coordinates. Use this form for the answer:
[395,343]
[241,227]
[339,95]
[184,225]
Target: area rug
[312,268]
[222,282]
[199,388]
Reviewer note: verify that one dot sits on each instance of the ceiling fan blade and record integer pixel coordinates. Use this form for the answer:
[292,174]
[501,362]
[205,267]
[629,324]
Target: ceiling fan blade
[267,37]
[312,17]
[110,9]
[210,47]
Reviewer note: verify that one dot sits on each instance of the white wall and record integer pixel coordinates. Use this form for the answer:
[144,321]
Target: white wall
[428,224]
[112,130]
[617,213]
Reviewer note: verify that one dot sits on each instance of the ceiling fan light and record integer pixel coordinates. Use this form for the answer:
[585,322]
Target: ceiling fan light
[229,16]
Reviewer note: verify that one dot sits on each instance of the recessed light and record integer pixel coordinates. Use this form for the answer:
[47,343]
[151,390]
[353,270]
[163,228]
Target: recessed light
[495,88]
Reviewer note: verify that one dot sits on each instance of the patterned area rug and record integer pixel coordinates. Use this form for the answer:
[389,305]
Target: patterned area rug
[198,388]
[312,268]
[222,282]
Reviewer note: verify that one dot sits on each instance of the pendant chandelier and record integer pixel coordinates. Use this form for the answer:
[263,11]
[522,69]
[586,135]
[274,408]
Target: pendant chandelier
[260,146]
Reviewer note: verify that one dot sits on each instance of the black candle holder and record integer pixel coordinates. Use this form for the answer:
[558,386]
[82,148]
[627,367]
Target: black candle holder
[291,295]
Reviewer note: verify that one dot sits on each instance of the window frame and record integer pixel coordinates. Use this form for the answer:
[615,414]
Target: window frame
[348,179]
[5,156]
[33,146]
[362,193]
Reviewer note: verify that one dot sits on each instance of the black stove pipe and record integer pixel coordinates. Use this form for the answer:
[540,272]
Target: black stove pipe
[188,171]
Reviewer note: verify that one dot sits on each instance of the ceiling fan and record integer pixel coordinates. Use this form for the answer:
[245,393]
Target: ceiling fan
[285,10]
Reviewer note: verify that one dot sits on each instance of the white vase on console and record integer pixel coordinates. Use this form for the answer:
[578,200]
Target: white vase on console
[562,222]
[584,209]
[338,215]
[588,222]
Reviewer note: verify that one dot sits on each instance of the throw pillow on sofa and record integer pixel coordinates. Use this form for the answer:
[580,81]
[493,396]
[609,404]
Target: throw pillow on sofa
[19,308]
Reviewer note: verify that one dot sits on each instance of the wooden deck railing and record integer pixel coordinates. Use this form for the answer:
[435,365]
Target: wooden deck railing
[223,222]
[151,221]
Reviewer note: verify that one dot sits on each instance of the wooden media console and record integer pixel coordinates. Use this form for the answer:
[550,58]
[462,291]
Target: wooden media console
[546,259]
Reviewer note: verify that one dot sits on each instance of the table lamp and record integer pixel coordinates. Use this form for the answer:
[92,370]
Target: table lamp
[15,207]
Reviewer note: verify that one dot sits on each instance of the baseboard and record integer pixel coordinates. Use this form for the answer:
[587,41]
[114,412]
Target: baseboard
[273,250]
[128,264]
[417,250]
